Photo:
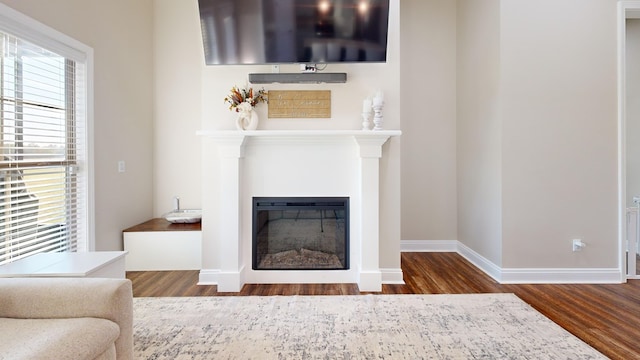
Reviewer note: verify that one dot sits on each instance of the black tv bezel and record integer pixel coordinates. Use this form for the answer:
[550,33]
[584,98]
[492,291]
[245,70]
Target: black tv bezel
[385,3]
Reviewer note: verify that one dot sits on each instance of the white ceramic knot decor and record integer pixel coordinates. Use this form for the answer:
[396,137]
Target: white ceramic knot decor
[247,120]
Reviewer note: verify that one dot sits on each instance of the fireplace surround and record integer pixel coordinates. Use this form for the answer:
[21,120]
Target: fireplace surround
[241,165]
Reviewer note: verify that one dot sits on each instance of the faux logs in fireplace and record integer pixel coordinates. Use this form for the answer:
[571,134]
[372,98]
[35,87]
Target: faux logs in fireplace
[300,233]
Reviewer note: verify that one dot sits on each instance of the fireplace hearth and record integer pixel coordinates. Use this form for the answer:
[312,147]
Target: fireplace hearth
[300,233]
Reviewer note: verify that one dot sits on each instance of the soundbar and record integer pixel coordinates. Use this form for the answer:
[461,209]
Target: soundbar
[293,78]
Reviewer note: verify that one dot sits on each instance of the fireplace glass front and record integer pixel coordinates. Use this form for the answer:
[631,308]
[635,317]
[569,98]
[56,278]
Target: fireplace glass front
[300,233]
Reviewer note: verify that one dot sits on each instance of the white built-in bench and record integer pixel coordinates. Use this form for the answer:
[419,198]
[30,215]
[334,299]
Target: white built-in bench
[160,245]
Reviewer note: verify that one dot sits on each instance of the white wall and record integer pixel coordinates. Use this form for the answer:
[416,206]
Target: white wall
[537,132]
[559,133]
[428,75]
[120,32]
[179,59]
[633,110]
[479,143]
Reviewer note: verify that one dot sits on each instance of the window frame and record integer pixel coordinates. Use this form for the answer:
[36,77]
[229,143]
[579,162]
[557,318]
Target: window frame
[22,26]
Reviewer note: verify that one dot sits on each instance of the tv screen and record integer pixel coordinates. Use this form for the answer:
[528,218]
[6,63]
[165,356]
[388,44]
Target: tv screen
[294,31]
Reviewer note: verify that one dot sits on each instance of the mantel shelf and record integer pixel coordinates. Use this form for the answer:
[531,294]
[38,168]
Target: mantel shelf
[297,133]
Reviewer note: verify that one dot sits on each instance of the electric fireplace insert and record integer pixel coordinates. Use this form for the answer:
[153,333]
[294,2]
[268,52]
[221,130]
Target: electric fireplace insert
[300,233]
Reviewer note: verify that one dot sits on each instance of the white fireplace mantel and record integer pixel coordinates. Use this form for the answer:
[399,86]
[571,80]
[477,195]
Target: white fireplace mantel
[298,135]
[290,155]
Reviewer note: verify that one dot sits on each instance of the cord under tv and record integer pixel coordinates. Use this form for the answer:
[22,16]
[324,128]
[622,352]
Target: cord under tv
[305,68]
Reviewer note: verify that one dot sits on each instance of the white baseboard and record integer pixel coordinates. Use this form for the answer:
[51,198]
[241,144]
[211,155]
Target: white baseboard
[208,277]
[561,276]
[480,262]
[370,281]
[392,276]
[517,275]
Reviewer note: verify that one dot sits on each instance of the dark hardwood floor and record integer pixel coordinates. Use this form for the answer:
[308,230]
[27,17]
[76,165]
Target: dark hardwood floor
[605,316]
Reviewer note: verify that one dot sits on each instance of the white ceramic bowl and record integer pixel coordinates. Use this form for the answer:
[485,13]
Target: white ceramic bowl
[184,216]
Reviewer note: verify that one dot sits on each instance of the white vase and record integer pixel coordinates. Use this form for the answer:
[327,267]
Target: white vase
[247,121]
[253,121]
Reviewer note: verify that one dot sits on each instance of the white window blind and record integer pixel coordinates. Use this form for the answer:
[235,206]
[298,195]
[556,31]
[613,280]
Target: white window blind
[42,125]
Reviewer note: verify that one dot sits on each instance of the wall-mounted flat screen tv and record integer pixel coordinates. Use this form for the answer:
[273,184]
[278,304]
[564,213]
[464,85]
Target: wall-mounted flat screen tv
[294,31]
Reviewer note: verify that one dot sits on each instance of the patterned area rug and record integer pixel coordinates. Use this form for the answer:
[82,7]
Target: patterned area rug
[479,326]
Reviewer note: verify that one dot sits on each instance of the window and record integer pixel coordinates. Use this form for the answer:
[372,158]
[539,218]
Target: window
[43,145]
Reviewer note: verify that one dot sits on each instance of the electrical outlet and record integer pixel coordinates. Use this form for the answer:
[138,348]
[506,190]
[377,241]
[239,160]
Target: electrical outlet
[121,166]
[578,244]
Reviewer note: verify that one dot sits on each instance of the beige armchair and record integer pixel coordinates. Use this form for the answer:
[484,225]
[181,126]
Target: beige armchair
[66,318]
